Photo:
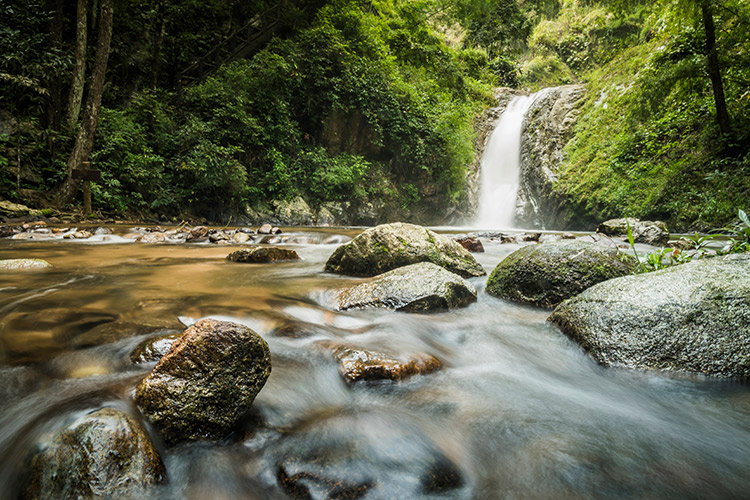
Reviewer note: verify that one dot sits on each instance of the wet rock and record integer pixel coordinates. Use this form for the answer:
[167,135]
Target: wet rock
[415,288]
[105,454]
[218,236]
[197,233]
[275,230]
[240,237]
[22,264]
[206,382]
[78,235]
[548,273]
[7,231]
[568,236]
[361,364]
[265,229]
[102,231]
[153,238]
[367,455]
[532,237]
[153,349]
[508,238]
[262,255]
[471,243]
[18,381]
[547,129]
[693,317]
[29,335]
[648,232]
[28,226]
[389,246]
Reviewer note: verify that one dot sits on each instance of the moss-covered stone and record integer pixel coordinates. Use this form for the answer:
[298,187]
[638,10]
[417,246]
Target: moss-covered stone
[206,382]
[388,246]
[106,454]
[414,288]
[262,255]
[693,317]
[548,273]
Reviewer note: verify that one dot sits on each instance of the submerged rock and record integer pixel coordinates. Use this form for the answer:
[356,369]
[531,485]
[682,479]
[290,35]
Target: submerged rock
[206,382]
[388,246]
[471,243]
[548,273]
[414,288]
[261,255]
[21,264]
[361,364]
[153,349]
[197,233]
[693,317]
[648,232]
[106,454]
[366,454]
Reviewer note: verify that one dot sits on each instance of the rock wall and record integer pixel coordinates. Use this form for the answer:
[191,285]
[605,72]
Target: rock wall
[547,129]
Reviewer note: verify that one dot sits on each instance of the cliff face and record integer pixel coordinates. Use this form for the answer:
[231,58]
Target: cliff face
[547,128]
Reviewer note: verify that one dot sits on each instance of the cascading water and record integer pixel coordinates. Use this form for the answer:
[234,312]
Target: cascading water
[500,167]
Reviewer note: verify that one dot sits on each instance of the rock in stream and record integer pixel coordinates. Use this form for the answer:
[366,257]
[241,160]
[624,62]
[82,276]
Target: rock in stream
[692,317]
[206,382]
[388,246]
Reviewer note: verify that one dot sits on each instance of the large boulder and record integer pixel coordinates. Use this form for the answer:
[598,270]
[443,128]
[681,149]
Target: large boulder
[388,246]
[548,273]
[294,212]
[262,255]
[414,288]
[644,231]
[105,454]
[693,317]
[206,382]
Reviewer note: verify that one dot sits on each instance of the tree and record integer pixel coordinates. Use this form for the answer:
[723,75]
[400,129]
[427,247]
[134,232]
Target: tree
[79,72]
[714,70]
[85,139]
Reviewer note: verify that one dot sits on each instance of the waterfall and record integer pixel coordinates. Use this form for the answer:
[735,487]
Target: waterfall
[500,167]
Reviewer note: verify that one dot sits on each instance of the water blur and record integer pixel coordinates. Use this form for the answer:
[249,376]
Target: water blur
[517,412]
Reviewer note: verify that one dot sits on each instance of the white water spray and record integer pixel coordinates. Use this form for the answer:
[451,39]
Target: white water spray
[500,169]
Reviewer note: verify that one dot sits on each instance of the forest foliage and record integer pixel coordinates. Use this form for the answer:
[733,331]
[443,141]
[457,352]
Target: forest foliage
[358,102]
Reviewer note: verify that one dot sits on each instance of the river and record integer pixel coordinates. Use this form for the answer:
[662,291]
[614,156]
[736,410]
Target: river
[518,410]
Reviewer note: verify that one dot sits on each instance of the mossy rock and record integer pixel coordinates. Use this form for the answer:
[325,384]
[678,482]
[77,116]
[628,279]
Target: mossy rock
[389,246]
[206,382]
[105,454]
[548,273]
[415,288]
[262,255]
[693,317]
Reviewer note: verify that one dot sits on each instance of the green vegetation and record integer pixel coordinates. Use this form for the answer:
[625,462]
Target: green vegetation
[724,241]
[647,143]
[370,104]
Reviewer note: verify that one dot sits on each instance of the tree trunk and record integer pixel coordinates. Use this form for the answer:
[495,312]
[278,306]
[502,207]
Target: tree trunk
[85,139]
[54,98]
[158,38]
[714,71]
[75,98]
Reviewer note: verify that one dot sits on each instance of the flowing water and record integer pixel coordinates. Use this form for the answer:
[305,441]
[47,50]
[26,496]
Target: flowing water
[518,411]
[500,168]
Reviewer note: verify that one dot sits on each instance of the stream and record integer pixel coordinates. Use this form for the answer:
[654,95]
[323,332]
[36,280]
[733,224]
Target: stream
[518,410]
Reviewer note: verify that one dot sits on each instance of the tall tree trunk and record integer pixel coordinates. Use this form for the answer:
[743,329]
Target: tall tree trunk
[158,38]
[75,98]
[85,139]
[714,71]
[54,98]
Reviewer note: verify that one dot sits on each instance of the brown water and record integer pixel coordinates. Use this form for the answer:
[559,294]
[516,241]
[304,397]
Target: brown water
[517,412]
